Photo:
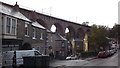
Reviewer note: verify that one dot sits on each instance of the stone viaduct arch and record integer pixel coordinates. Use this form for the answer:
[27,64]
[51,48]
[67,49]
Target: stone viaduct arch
[59,28]
[61,25]
[75,30]
[71,34]
[80,33]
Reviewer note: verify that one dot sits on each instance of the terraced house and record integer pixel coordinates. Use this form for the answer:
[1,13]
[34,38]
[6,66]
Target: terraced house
[19,32]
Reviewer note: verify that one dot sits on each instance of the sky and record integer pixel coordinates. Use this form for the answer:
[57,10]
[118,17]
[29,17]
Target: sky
[99,12]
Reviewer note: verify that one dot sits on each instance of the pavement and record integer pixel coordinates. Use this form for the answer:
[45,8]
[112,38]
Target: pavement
[91,58]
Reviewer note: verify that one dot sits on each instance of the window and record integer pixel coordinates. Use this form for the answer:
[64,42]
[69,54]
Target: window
[26,29]
[11,26]
[34,33]
[41,36]
[8,25]
[2,24]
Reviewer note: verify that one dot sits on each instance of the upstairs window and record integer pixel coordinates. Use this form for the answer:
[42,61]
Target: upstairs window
[2,24]
[34,33]
[8,25]
[41,36]
[26,29]
[11,26]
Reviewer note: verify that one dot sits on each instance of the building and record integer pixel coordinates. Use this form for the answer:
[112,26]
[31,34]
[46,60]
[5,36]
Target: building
[18,30]
[57,45]
[11,17]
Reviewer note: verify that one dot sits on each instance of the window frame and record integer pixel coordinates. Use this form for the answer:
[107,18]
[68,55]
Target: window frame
[11,25]
[41,36]
[7,25]
[33,33]
[26,23]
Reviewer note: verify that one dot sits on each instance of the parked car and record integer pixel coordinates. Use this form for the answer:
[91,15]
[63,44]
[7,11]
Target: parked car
[72,57]
[103,54]
[111,52]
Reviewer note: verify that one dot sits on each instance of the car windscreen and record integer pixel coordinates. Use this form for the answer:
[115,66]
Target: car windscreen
[37,53]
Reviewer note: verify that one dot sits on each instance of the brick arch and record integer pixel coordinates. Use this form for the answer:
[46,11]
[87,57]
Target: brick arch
[80,33]
[59,28]
[40,21]
[71,32]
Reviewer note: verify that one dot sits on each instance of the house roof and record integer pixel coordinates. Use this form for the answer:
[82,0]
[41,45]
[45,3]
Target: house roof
[11,12]
[36,24]
[59,37]
[49,31]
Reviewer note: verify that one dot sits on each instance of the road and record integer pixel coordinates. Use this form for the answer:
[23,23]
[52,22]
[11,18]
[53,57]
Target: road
[110,61]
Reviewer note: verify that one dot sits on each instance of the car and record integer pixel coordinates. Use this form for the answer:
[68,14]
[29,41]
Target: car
[72,57]
[103,54]
[114,50]
[111,52]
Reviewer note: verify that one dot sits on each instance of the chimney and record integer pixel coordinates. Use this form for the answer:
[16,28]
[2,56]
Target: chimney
[16,7]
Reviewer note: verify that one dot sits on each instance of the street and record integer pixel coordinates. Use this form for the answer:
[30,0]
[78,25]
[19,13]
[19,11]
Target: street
[109,61]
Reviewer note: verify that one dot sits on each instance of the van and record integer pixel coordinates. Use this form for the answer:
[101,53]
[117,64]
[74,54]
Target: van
[16,57]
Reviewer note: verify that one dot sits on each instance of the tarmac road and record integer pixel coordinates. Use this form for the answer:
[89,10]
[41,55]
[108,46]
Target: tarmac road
[109,62]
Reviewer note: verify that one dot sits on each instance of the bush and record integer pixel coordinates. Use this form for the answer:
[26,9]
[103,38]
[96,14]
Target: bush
[88,54]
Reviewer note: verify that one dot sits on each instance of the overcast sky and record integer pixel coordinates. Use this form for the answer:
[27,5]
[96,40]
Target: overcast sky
[100,12]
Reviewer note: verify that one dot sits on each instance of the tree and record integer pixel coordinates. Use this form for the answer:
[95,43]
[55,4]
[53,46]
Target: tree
[97,37]
[115,32]
[85,23]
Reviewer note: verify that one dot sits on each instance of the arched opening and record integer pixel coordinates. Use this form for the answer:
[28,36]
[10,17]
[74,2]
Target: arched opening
[53,28]
[26,46]
[80,33]
[57,28]
[80,40]
[69,33]
[66,30]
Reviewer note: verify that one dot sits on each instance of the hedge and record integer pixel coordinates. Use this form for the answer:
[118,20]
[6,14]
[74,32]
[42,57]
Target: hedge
[88,54]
